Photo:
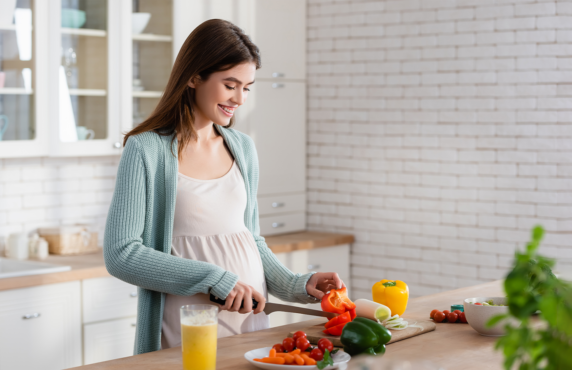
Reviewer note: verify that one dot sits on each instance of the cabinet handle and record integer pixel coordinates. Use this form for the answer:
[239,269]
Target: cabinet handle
[117,145]
[133,294]
[314,267]
[277,224]
[31,316]
[277,74]
[278,86]
[277,204]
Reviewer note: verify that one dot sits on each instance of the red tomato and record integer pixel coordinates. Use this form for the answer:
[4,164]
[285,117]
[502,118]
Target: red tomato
[478,304]
[352,313]
[439,316]
[288,344]
[278,347]
[452,317]
[317,354]
[298,334]
[325,344]
[446,312]
[433,313]
[462,318]
[302,343]
[458,312]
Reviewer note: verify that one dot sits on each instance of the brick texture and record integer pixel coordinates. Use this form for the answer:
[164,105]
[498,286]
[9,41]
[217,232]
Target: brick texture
[456,139]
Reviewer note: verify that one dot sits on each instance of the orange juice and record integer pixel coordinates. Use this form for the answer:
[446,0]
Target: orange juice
[199,345]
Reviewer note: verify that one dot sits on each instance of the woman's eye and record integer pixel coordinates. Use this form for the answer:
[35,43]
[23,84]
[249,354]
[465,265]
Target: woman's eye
[229,87]
[246,89]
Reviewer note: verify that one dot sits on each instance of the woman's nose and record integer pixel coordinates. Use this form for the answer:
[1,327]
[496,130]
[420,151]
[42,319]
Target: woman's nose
[239,97]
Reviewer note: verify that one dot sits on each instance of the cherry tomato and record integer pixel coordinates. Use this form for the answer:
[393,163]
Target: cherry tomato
[458,312]
[446,312]
[302,343]
[298,334]
[278,347]
[452,317]
[288,344]
[462,318]
[317,354]
[478,304]
[325,344]
[439,316]
[433,313]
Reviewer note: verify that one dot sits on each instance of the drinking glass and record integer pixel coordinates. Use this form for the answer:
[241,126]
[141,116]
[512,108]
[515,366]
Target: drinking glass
[199,326]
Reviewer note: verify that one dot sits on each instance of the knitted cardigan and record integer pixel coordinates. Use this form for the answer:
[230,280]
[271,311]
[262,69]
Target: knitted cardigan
[139,228]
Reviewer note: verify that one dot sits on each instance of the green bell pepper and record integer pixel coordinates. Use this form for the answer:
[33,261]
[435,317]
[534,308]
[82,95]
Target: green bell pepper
[364,336]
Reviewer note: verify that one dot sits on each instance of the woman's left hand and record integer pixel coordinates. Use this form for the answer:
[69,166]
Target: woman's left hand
[322,282]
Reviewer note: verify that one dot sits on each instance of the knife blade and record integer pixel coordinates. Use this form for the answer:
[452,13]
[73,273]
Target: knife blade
[274,307]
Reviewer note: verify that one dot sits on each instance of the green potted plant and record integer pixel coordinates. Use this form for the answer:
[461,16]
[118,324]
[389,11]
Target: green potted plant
[542,304]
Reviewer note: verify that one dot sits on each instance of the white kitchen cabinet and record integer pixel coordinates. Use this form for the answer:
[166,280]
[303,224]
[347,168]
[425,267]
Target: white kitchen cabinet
[329,259]
[40,327]
[108,340]
[108,298]
[282,223]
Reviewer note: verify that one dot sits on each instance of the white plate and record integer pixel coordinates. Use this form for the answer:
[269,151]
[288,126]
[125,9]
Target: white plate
[340,358]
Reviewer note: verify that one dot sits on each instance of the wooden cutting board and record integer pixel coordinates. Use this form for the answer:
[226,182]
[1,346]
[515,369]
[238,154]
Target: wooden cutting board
[314,333]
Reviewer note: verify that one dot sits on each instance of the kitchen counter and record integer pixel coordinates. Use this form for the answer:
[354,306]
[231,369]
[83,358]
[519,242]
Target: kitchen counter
[93,266]
[452,346]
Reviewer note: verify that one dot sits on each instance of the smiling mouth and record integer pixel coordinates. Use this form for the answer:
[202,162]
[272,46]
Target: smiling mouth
[229,111]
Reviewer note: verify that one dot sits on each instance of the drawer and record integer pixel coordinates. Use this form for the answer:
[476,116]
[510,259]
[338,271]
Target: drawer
[274,204]
[280,224]
[108,298]
[109,340]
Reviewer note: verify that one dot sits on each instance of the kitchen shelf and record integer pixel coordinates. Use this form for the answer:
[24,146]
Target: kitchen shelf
[152,37]
[83,32]
[15,91]
[88,92]
[147,94]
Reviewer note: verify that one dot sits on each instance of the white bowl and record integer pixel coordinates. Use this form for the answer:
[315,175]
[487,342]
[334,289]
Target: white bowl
[340,359]
[478,316]
[139,21]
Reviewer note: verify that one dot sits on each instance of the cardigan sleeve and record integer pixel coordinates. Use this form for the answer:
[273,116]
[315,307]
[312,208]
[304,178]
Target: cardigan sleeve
[127,258]
[281,282]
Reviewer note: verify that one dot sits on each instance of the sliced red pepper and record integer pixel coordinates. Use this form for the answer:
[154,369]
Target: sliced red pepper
[337,301]
[335,330]
[352,313]
[342,319]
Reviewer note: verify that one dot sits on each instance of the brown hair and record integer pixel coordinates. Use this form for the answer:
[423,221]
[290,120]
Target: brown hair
[215,45]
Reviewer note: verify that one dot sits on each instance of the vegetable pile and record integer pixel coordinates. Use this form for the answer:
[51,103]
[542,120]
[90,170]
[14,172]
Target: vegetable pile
[298,351]
[447,316]
[488,303]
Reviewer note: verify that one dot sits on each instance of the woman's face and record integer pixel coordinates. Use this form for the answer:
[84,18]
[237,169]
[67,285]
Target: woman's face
[218,97]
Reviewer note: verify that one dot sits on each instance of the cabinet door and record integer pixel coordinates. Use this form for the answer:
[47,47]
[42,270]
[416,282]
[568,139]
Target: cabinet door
[108,298]
[280,34]
[40,327]
[108,340]
[274,115]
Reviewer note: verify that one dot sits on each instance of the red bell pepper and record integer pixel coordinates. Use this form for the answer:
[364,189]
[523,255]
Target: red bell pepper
[335,330]
[342,319]
[337,301]
[352,314]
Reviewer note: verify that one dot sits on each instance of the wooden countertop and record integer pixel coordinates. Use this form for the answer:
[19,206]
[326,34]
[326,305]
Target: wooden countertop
[92,265]
[451,346]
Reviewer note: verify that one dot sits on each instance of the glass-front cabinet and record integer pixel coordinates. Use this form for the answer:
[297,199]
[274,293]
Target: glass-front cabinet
[75,75]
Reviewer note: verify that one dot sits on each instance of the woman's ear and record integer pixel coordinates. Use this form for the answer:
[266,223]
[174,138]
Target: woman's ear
[193,82]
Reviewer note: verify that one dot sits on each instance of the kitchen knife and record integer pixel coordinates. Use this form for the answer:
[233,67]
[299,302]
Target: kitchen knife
[274,307]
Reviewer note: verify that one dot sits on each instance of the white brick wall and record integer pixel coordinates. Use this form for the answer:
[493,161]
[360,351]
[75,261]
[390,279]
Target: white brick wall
[42,192]
[440,132]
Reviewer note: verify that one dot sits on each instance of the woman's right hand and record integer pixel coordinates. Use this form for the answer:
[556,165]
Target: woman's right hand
[243,292]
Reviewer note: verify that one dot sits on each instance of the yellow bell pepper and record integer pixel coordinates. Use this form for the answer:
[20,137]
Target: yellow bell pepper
[391,293]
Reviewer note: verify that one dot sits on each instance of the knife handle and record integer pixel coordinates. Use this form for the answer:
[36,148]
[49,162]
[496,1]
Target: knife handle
[222,302]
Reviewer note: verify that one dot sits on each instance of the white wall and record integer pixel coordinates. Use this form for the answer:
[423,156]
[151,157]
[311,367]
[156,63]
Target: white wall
[440,132]
[39,192]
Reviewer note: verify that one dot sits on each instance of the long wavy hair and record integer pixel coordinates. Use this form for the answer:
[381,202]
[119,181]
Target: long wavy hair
[215,45]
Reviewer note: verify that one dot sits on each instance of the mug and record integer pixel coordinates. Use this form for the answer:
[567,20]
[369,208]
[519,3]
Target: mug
[4,126]
[17,246]
[83,133]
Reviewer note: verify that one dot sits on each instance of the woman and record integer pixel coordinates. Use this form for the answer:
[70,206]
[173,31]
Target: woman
[183,226]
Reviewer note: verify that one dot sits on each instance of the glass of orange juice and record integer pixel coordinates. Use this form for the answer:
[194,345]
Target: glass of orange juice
[199,326]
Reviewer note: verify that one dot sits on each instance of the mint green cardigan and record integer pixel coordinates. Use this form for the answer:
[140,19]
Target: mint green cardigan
[138,232]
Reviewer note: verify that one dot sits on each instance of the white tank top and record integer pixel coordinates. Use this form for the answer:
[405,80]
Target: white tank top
[209,226]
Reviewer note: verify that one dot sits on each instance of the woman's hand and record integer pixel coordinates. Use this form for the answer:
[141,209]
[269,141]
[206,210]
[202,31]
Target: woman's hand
[243,293]
[322,282]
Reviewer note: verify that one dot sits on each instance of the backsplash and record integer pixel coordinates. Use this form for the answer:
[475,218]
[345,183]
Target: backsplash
[38,192]
[440,132]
